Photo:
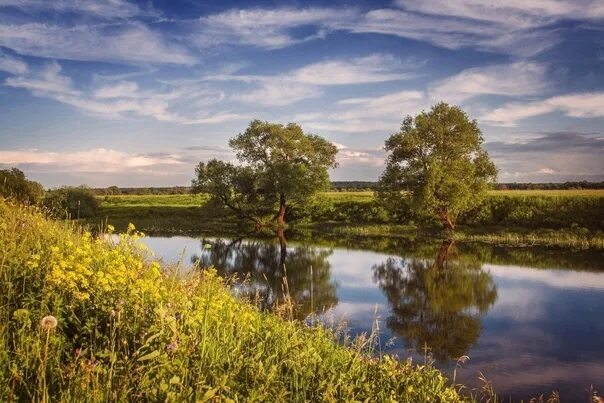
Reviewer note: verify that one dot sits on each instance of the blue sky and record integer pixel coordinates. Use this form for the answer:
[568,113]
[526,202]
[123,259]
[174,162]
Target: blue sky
[135,94]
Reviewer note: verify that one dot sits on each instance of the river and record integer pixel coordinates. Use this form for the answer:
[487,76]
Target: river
[530,319]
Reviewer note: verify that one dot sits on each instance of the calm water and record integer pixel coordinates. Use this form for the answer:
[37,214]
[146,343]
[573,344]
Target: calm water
[531,320]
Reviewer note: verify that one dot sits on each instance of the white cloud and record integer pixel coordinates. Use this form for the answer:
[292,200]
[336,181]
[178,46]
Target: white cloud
[453,33]
[130,43]
[514,79]
[373,157]
[122,89]
[516,27]
[564,279]
[367,114]
[95,160]
[272,29]
[305,82]
[98,8]
[266,28]
[12,64]
[514,13]
[279,93]
[370,69]
[125,98]
[48,81]
[548,171]
[580,105]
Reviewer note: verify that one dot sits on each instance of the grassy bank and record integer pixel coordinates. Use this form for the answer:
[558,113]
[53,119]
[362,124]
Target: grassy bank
[568,218]
[515,236]
[84,319]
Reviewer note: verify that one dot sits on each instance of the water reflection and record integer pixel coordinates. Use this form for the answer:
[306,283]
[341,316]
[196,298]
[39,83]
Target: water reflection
[273,269]
[529,318]
[438,303]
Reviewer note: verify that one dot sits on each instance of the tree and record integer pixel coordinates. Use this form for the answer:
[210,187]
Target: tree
[113,190]
[279,166]
[437,156]
[14,184]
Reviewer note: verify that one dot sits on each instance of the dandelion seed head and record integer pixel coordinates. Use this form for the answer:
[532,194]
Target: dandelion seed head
[48,322]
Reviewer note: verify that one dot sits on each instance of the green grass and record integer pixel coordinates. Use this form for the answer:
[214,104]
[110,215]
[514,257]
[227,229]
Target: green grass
[187,200]
[84,319]
[184,200]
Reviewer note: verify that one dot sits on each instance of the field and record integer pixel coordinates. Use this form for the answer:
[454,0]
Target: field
[184,200]
[187,200]
[87,319]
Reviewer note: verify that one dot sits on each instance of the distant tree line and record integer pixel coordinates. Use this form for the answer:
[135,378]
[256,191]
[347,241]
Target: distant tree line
[115,190]
[343,186]
[550,186]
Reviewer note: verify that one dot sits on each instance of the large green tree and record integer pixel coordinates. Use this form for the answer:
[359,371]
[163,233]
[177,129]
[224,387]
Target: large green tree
[14,184]
[438,158]
[278,166]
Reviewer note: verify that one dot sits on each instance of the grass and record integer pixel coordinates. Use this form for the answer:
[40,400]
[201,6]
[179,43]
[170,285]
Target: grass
[188,200]
[569,218]
[519,237]
[183,200]
[86,319]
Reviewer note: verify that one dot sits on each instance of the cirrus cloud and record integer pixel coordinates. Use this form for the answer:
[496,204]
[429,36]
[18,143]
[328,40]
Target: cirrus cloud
[578,105]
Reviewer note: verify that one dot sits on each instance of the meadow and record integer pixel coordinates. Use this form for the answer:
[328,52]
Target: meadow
[193,200]
[85,318]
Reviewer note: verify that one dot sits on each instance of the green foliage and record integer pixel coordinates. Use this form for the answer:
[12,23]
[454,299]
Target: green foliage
[438,157]
[130,330]
[113,190]
[14,185]
[538,212]
[72,202]
[281,167]
[240,188]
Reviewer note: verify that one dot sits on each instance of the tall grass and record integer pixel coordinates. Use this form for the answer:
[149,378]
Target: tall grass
[118,327]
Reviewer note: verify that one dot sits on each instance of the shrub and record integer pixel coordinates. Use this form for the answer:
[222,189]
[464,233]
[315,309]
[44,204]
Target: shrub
[72,202]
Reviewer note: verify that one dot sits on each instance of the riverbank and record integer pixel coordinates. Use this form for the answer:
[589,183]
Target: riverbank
[84,319]
[567,218]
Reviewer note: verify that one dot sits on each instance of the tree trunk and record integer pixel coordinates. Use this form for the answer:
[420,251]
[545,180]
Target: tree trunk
[281,214]
[445,218]
[283,244]
[443,254]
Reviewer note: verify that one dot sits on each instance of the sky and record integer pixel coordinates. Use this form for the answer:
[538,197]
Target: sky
[116,92]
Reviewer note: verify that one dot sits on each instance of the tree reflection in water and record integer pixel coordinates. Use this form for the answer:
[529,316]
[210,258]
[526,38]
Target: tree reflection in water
[262,264]
[437,302]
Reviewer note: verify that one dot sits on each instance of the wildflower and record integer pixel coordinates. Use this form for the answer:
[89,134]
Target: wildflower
[48,322]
